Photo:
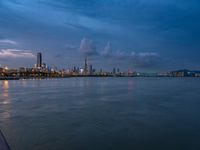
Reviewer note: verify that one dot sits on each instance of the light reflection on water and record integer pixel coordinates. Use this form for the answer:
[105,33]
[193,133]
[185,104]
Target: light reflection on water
[5,100]
[5,92]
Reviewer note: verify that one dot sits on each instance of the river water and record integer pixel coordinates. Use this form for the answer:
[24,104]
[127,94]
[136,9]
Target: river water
[101,114]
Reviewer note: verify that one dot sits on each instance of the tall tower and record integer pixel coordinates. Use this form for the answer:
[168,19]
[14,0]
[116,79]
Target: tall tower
[86,66]
[39,60]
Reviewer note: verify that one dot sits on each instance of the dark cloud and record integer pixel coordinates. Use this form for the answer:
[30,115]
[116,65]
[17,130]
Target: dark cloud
[145,59]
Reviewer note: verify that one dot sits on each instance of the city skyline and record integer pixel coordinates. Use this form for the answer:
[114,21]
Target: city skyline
[42,70]
[142,35]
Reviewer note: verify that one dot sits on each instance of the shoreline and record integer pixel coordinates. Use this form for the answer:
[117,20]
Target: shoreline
[99,76]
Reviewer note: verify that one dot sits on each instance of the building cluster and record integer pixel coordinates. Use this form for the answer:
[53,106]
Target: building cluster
[42,70]
[184,73]
[89,70]
[86,70]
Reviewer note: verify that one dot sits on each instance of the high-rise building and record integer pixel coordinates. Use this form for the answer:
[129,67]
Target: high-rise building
[114,71]
[39,60]
[86,66]
[91,70]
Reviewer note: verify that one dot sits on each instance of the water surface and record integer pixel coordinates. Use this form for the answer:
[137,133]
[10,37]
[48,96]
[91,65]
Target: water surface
[101,114]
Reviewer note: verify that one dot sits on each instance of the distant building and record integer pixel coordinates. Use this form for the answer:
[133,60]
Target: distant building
[39,60]
[101,70]
[197,74]
[118,70]
[182,73]
[74,69]
[114,71]
[44,66]
[91,70]
[86,66]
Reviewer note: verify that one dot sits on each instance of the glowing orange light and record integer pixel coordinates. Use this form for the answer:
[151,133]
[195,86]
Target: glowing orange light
[5,84]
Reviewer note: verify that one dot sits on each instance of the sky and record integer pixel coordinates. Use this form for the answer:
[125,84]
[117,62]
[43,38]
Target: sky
[142,35]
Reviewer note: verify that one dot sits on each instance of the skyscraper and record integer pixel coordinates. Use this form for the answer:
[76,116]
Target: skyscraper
[91,70]
[86,66]
[39,60]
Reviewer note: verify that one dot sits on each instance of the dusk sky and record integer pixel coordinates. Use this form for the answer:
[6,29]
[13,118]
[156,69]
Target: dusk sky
[145,35]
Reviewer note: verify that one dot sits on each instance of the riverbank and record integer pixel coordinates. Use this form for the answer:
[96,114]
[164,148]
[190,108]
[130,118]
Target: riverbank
[9,78]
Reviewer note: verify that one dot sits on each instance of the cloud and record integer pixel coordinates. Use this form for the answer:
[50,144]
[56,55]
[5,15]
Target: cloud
[71,46]
[87,47]
[7,41]
[58,56]
[107,50]
[145,59]
[141,59]
[14,53]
